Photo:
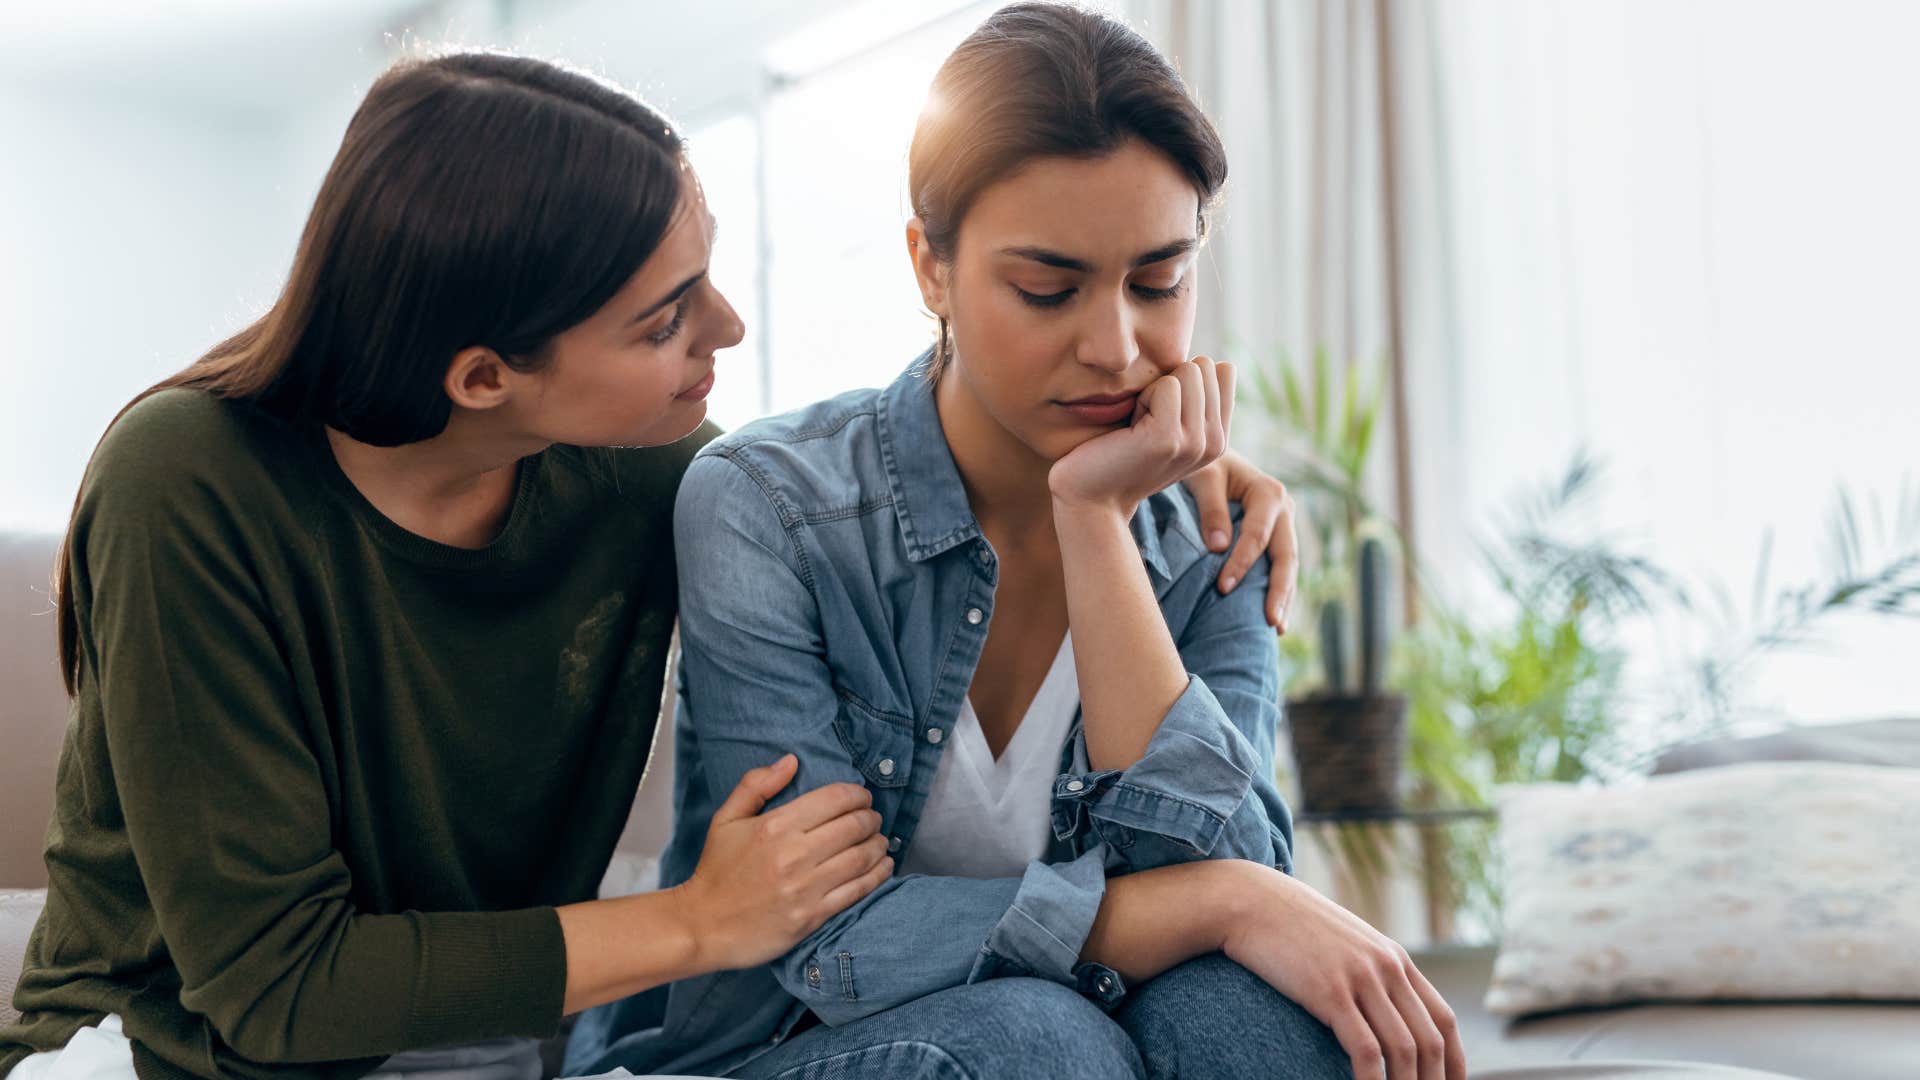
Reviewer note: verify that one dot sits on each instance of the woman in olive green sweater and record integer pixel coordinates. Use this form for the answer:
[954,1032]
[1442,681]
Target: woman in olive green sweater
[365,616]
[366,644]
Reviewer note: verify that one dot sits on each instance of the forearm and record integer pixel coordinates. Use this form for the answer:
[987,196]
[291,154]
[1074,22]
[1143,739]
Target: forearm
[620,947]
[1130,670]
[1158,919]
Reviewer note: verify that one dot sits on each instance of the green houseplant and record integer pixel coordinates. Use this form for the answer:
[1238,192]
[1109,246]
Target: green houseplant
[1528,687]
[1348,732]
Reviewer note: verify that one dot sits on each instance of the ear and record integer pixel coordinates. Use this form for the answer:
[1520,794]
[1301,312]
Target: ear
[478,379]
[927,269]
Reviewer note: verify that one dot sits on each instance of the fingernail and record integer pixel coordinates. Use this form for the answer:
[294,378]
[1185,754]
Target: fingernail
[1230,583]
[1216,539]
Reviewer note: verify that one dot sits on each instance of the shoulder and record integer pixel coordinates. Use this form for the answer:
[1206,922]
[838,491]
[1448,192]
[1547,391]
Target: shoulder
[817,461]
[181,446]
[1173,516]
[1173,519]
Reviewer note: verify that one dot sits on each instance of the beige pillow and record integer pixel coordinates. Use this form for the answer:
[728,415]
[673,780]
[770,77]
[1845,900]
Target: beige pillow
[1771,880]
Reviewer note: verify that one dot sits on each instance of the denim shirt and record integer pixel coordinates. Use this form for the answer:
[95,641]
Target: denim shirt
[835,594]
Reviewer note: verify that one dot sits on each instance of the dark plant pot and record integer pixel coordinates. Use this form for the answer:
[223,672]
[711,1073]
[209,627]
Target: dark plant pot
[1348,750]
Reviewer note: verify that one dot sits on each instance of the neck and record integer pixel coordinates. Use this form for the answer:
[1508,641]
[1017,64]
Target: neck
[1006,481]
[455,488]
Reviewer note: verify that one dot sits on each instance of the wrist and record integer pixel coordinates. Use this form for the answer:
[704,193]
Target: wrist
[1241,891]
[693,943]
[1072,511]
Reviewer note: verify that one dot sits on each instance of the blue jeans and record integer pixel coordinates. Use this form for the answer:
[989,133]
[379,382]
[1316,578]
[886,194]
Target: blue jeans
[1207,1018]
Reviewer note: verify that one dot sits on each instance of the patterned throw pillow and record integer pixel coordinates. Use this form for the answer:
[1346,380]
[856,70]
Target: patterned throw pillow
[1776,880]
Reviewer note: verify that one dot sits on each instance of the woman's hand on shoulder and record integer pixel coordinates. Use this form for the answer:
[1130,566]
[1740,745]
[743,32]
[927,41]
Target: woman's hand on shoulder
[1266,527]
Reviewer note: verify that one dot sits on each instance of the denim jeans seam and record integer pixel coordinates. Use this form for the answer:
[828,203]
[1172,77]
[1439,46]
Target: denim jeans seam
[930,1048]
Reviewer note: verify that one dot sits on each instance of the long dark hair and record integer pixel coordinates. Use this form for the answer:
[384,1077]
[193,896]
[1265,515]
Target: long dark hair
[1047,80]
[477,199]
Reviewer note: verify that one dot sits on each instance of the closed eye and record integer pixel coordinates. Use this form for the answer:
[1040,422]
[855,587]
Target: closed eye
[672,329]
[1148,292]
[1045,300]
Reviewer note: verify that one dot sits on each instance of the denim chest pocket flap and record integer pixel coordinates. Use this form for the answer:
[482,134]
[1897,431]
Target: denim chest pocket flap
[879,744]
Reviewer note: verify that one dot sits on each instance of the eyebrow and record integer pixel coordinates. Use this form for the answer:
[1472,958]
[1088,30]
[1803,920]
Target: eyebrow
[713,231]
[1067,262]
[672,297]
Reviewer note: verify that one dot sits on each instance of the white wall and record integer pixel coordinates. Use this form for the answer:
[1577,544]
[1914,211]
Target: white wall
[150,201]
[1684,238]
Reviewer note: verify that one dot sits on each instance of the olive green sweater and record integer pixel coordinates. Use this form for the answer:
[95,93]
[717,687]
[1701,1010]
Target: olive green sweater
[325,780]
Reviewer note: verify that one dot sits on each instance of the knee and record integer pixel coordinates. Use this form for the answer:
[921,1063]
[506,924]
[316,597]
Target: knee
[1032,1027]
[1210,1016]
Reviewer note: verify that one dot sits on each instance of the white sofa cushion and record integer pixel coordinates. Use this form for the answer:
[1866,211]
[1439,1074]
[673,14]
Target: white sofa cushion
[1778,880]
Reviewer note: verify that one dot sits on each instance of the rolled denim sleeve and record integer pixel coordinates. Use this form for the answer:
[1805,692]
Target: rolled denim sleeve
[1204,787]
[757,685]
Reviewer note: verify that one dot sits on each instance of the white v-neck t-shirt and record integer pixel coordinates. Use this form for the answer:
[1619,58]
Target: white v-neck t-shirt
[988,817]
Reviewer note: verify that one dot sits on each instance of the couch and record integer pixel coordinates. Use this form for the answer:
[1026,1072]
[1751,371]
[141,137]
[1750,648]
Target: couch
[1846,1041]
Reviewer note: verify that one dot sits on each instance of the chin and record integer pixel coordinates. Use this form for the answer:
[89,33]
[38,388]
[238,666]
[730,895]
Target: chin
[676,425]
[1057,442]
[682,422]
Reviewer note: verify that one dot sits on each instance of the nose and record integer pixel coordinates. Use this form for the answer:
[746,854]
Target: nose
[727,329]
[1106,338]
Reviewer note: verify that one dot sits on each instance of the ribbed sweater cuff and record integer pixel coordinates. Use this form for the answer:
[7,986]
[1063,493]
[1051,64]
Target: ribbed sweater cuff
[485,975]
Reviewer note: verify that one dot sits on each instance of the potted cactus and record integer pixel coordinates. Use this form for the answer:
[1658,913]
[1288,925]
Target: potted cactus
[1349,735]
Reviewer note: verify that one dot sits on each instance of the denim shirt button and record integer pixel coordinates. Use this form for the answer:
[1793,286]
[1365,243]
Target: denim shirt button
[813,975]
[974,615]
[886,766]
[1106,984]
[1075,785]
[934,735]
[983,554]
[893,843]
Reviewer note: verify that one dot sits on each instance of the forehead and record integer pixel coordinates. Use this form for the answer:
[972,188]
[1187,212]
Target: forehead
[1116,206]
[682,250]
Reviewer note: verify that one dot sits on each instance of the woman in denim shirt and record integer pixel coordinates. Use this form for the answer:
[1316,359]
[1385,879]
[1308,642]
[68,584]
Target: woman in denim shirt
[878,582]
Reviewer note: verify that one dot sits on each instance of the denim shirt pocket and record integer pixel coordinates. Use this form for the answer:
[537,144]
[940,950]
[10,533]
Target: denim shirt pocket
[880,745]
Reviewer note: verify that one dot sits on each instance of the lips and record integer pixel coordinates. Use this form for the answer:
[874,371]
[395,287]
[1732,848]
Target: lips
[1103,409]
[698,390]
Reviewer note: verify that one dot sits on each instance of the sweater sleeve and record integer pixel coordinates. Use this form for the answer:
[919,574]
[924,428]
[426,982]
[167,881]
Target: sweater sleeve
[218,776]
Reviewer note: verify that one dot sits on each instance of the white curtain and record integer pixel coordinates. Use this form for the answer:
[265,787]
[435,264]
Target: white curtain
[1683,237]
[1678,234]
[1330,235]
